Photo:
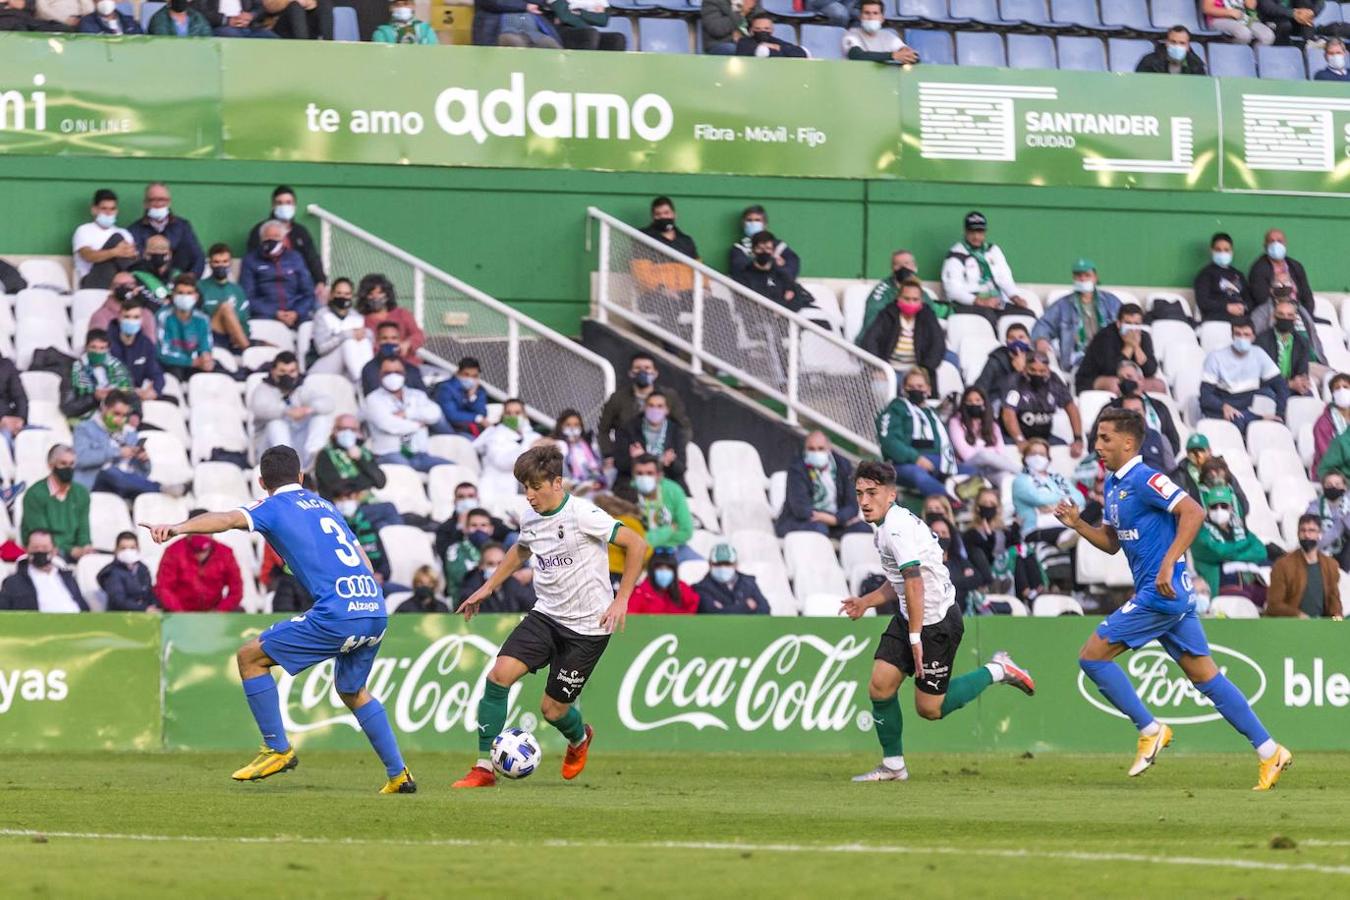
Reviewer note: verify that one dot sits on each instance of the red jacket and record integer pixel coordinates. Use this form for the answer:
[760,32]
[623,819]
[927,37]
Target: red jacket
[403,318]
[647,599]
[184,586]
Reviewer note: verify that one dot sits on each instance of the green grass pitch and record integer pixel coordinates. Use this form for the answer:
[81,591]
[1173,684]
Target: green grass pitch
[643,825]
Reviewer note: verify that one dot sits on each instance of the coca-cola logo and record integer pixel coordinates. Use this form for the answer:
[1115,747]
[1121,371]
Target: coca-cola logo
[438,689]
[795,681]
[1167,691]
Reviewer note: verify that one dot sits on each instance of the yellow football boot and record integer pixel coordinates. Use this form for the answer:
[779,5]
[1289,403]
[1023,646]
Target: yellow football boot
[402,783]
[267,763]
[1149,748]
[1273,768]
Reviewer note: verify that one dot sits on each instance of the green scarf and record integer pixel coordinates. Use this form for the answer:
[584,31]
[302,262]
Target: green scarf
[346,468]
[986,273]
[823,482]
[654,439]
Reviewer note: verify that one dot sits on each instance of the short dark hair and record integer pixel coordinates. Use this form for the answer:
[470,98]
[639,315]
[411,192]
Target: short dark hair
[283,189]
[764,237]
[1220,236]
[186,279]
[871,3]
[1243,322]
[389,323]
[469,362]
[1020,326]
[1310,517]
[542,462]
[114,397]
[126,536]
[1125,421]
[647,458]
[284,358]
[756,209]
[280,465]
[477,511]
[883,473]
[103,194]
[95,334]
[1129,309]
[219,247]
[386,360]
[662,201]
[343,280]
[641,354]
[761,14]
[464,484]
[1179,29]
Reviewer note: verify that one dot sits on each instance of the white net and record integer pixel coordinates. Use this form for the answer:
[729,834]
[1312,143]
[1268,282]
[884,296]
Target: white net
[837,386]
[549,375]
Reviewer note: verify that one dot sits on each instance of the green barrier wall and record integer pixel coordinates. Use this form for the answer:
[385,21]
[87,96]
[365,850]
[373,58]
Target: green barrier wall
[705,684]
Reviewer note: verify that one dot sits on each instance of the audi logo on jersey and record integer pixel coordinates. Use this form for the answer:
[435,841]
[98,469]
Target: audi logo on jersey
[354,587]
[544,563]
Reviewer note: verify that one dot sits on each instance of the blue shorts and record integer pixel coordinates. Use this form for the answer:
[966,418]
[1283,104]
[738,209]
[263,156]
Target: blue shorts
[298,643]
[1134,626]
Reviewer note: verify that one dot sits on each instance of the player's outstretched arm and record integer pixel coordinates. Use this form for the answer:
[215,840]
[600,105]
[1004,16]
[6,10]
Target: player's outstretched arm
[1189,517]
[1103,537]
[206,523]
[511,563]
[634,556]
[854,607]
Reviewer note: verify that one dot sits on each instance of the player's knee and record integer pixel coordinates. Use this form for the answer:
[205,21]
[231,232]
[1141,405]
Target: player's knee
[930,712]
[354,699]
[552,710]
[881,690]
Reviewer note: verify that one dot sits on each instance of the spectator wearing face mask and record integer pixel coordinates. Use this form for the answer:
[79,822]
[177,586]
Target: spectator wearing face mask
[661,592]
[1334,420]
[1277,267]
[762,42]
[404,27]
[1234,376]
[1122,340]
[1305,583]
[969,577]
[1173,55]
[869,40]
[887,291]
[766,277]
[1157,452]
[125,292]
[342,342]
[1289,349]
[109,455]
[1036,493]
[463,399]
[426,585]
[302,20]
[1238,20]
[288,410]
[1130,383]
[1227,556]
[513,596]
[346,459]
[184,248]
[819,494]
[976,277]
[462,557]
[1012,566]
[1304,328]
[1221,290]
[224,302]
[1335,55]
[154,269]
[179,19]
[627,403]
[977,439]
[350,502]
[388,337]
[93,377]
[378,302]
[276,279]
[126,581]
[105,19]
[100,248]
[237,18]
[1030,404]
[913,439]
[398,416]
[664,229]
[295,236]
[1215,473]
[1071,322]
[754,220]
[664,509]
[59,506]
[452,530]
[583,467]
[199,574]
[1332,510]
[38,584]
[184,333]
[653,433]
[907,334]
[726,590]
[1005,363]
[498,447]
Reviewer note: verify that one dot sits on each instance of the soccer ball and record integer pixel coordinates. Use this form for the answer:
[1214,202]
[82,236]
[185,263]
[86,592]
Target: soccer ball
[515,753]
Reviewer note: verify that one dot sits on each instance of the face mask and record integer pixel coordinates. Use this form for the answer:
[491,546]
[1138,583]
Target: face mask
[347,438]
[284,211]
[1039,381]
[1038,463]
[464,504]
[1220,517]
[97,359]
[389,350]
[1222,258]
[723,574]
[663,577]
[340,306]
[157,213]
[488,572]
[479,538]
[817,459]
[1128,386]
[286,382]
[916,397]
[763,259]
[105,220]
[871,26]
[393,382]
[39,559]
[1336,61]
[347,507]
[663,224]
[106,7]
[469,384]
[512,422]
[402,14]
[1276,250]
[129,327]
[908,308]
[184,302]
[158,260]
[901,274]
[128,557]
[220,273]
[1333,493]
[1083,286]
[572,434]
[645,484]
[644,378]
[945,544]
[1341,397]
[64,474]
[1242,345]
[988,513]
[1284,326]
[1176,52]
[272,248]
[655,415]
[1308,544]
[752,228]
[973,410]
[423,593]
[110,423]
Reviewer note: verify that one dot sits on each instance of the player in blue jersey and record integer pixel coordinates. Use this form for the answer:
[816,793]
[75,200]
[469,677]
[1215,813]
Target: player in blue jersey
[345,624]
[1154,521]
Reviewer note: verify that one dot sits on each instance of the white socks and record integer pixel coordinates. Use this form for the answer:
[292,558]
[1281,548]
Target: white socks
[1267,748]
[894,763]
[484,764]
[995,671]
[1150,729]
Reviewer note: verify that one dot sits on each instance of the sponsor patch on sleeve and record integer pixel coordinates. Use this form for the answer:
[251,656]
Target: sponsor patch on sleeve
[1163,486]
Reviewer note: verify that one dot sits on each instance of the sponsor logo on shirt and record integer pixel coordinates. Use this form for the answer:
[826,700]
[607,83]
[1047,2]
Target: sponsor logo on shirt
[1129,534]
[356,587]
[544,563]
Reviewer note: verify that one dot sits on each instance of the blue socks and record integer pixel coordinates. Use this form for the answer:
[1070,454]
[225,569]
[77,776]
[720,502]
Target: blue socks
[375,724]
[261,693]
[1230,703]
[1115,687]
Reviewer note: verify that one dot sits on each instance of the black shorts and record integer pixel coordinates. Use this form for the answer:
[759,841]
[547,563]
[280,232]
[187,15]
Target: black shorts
[539,641]
[939,642]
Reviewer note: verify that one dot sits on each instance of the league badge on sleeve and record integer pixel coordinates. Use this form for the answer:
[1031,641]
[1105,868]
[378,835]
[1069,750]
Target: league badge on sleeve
[1164,486]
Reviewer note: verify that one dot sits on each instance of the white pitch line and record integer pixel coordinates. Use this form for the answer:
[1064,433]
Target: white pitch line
[733,846]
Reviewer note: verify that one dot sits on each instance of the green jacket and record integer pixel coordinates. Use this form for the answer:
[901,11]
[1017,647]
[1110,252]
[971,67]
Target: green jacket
[1212,549]
[668,521]
[415,32]
[161,24]
[460,560]
[1337,457]
[181,342]
[884,294]
[67,520]
[214,293]
[895,434]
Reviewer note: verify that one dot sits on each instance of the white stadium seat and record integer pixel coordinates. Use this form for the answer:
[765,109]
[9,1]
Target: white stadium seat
[45,273]
[854,308]
[407,548]
[735,467]
[456,448]
[974,354]
[165,416]
[403,488]
[30,454]
[221,479]
[963,326]
[1215,335]
[86,577]
[1224,437]
[270,331]
[441,484]
[1046,605]
[168,458]
[777,491]
[822,605]
[703,541]
[156,508]
[1231,606]
[42,386]
[773,582]
[340,389]
[758,548]
[108,517]
[812,566]
[692,571]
